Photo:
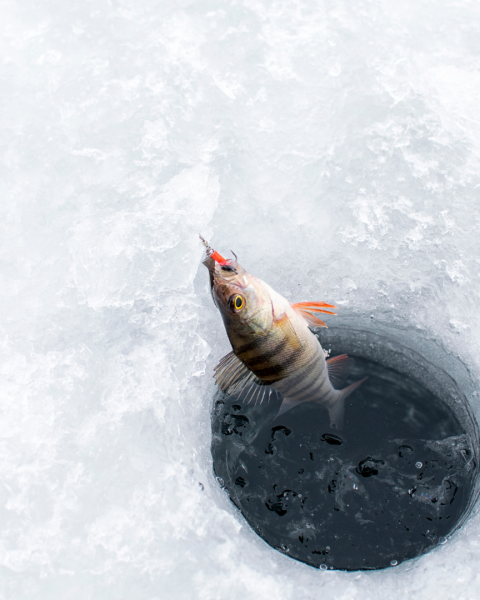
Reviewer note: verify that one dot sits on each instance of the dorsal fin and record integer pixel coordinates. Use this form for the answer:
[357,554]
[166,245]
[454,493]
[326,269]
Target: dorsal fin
[338,368]
[308,309]
[287,404]
[229,371]
[232,376]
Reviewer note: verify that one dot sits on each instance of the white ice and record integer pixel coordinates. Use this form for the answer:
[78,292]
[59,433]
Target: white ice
[333,145]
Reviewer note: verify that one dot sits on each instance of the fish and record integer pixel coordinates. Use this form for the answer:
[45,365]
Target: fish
[272,343]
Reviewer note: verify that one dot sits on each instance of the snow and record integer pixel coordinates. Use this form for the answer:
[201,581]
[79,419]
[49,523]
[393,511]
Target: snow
[334,146]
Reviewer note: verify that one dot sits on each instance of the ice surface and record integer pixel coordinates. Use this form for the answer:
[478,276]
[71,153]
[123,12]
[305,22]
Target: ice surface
[334,146]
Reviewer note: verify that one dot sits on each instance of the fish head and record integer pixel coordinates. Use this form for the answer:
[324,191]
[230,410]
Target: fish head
[242,300]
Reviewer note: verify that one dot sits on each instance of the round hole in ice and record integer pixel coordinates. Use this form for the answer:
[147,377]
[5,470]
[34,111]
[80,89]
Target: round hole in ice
[397,481]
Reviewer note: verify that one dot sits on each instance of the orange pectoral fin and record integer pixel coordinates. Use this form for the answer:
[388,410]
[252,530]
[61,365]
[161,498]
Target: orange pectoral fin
[314,307]
[312,320]
[308,309]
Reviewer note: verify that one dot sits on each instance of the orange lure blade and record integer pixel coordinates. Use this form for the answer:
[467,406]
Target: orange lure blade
[213,253]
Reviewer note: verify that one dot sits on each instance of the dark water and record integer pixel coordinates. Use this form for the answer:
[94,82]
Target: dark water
[388,487]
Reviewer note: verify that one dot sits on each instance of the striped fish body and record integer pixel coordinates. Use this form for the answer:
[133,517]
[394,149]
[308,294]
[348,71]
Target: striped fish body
[289,357]
[272,343]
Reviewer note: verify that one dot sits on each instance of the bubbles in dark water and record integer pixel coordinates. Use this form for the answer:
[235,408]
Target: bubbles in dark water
[388,487]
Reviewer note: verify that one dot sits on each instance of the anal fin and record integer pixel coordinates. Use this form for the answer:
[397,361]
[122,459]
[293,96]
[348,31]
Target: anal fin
[338,368]
[337,410]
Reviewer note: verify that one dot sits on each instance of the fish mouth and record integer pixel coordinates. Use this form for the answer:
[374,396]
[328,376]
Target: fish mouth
[215,278]
[222,285]
[210,264]
[223,274]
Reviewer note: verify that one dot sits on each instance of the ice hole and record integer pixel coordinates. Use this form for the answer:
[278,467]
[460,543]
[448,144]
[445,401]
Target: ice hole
[398,480]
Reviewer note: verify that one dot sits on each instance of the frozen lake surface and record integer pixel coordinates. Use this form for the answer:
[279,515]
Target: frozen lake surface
[334,146]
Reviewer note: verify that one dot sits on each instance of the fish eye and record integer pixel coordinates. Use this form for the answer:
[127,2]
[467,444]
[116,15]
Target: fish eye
[228,268]
[237,302]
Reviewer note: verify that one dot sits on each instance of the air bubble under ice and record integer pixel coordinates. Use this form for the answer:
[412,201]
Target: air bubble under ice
[333,146]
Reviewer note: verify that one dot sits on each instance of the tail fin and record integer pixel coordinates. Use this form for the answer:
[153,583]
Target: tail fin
[337,411]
